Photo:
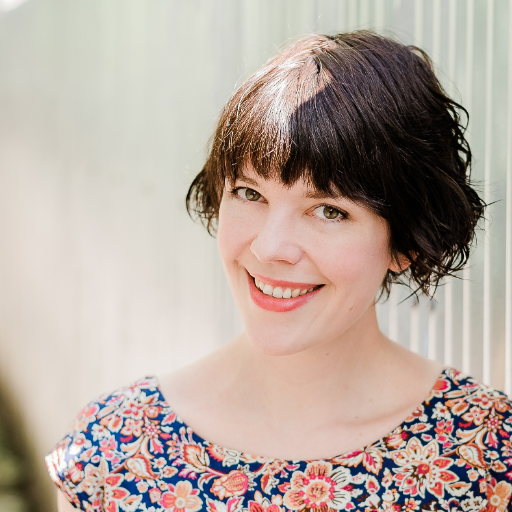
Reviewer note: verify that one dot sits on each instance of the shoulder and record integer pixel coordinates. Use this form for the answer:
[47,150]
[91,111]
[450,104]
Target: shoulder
[472,403]
[103,435]
[466,397]
[482,422]
[478,416]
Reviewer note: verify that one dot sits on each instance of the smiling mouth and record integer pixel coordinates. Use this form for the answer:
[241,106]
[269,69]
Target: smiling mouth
[281,292]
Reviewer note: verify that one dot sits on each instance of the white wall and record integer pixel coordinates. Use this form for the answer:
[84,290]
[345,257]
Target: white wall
[105,111]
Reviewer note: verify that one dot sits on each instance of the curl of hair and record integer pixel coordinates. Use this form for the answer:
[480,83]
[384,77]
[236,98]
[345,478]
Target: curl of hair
[364,116]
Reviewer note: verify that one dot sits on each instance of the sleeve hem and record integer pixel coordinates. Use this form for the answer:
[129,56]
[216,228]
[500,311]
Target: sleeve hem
[59,481]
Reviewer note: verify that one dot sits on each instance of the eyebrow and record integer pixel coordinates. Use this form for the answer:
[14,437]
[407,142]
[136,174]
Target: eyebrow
[250,181]
[320,194]
[310,194]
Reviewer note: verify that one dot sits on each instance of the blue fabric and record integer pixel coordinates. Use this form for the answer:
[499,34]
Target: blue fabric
[128,451]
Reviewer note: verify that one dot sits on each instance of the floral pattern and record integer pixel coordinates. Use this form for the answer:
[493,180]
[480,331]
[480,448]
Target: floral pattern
[129,451]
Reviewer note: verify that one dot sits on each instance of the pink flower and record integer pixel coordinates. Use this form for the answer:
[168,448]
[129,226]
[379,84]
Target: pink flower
[155,494]
[319,487]
[87,415]
[117,498]
[181,498]
[235,483]
[107,446]
[132,427]
[261,504]
[132,409]
[482,399]
[476,415]
[421,468]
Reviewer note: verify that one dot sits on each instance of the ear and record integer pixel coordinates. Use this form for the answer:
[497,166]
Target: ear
[403,262]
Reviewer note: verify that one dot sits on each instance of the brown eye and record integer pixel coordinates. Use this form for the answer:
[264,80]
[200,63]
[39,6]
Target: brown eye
[326,212]
[330,213]
[249,194]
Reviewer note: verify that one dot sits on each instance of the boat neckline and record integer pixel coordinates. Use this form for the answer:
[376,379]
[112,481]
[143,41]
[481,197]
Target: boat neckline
[251,458]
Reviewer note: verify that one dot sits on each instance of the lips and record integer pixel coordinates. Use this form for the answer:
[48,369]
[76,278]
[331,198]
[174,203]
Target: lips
[280,305]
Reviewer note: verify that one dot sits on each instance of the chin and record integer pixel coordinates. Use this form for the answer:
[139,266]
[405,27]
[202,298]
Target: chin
[278,342]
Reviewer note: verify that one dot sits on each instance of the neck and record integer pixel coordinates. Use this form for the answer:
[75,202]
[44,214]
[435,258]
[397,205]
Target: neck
[333,371]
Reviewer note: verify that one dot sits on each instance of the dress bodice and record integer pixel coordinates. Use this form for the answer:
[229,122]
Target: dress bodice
[129,451]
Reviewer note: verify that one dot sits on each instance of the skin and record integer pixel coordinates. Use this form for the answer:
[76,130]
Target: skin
[63,504]
[317,381]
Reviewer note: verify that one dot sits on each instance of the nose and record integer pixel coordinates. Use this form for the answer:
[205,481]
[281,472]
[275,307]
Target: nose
[277,241]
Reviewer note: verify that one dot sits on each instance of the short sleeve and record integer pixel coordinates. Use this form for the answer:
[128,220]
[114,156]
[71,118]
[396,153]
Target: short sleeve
[497,435]
[81,461]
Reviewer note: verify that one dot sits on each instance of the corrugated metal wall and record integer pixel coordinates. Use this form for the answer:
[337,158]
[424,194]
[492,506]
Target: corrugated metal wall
[105,110]
[469,323]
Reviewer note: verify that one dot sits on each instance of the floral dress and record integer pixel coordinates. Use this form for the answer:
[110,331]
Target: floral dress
[129,451]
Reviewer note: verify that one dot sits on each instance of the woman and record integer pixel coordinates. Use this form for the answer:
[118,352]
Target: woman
[339,168]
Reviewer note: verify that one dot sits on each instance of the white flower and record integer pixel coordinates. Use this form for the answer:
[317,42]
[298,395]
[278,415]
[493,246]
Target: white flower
[441,412]
[99,432]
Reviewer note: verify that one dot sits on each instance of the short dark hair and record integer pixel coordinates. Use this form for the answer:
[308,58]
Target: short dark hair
[364,116]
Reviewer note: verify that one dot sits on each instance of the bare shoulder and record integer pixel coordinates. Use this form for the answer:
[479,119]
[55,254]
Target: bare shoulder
[411,375]
[63,504]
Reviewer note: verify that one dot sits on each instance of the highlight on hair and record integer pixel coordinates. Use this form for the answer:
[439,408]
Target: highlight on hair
[364,116]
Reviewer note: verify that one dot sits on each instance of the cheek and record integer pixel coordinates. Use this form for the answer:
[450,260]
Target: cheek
[234,232]
[361,261]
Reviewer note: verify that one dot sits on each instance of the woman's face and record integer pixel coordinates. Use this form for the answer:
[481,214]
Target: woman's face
[303,267]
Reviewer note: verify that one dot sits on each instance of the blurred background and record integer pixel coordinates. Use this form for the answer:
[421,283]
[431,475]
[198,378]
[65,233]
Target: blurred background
[106,107]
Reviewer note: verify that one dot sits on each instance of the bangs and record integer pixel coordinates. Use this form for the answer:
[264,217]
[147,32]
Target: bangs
[297,118]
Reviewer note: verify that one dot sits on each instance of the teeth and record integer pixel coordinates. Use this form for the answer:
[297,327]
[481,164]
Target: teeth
[267,289]
[278,292]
